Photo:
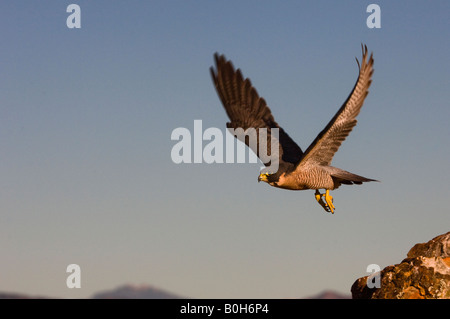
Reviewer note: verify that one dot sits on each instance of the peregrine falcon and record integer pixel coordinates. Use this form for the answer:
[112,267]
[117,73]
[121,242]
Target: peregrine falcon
[297,170]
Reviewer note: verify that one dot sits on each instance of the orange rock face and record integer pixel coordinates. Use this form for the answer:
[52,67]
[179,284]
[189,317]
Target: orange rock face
[424,274]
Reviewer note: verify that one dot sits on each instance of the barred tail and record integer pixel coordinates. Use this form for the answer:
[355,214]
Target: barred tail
[343,177]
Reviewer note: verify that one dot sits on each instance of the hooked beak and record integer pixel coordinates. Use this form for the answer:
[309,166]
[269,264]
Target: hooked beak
[262,177]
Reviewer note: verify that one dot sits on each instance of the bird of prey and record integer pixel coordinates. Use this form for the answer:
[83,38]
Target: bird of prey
[297,170]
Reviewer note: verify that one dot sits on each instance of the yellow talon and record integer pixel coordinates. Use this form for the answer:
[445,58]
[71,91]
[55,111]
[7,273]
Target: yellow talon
[329,200]
[319,199]
[318,195]
[328,203]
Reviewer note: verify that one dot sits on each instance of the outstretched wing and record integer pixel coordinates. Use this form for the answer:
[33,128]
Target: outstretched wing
[247,110]
[326,144]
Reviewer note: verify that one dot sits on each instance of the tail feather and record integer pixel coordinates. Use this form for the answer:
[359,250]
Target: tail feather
[344,177]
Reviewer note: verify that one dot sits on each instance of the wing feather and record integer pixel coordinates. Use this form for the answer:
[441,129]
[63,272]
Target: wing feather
[246,109]
[326,144]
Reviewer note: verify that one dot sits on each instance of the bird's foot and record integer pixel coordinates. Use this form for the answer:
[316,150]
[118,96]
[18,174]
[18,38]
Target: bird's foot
[328,203]
[329,200]
[321,201]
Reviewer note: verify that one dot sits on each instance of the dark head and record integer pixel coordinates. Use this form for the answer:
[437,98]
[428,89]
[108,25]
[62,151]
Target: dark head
[273,178]
[268,177]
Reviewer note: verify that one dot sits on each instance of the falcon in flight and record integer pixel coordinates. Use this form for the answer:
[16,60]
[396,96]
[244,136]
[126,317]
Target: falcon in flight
[297,170]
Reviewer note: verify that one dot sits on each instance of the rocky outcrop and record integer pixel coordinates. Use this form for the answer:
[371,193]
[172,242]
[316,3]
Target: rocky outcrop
[424,274]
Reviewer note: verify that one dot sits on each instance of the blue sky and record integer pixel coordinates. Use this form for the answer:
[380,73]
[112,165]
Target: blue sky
[86,117]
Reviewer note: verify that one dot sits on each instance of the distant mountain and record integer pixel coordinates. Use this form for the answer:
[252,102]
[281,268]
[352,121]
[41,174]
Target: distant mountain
[328,294]
[13,295]
[149,292]
[135,292]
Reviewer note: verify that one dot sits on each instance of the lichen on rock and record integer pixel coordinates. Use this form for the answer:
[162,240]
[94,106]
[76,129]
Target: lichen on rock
[424,274]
